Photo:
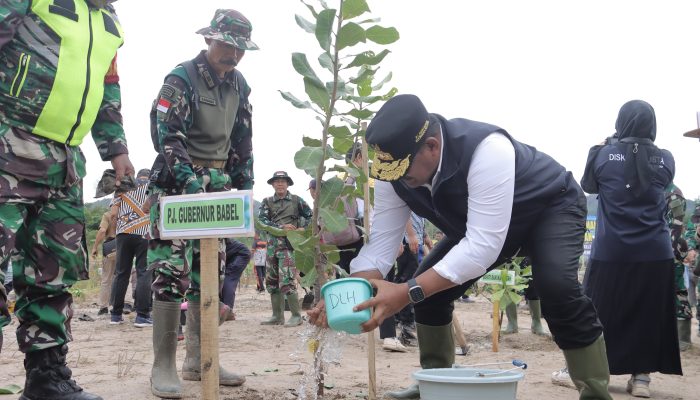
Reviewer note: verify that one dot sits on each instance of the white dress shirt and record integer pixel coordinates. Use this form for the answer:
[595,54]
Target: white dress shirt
[490,180]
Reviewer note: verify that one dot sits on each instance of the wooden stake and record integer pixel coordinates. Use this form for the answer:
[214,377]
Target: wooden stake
[371,353]
[209,292]
[496,326]
[459,333]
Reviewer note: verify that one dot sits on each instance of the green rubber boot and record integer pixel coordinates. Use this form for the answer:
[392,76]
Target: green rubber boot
[277,310]
[295,319]
[536,314]
[192,366]
[588,368]
[436,346]
[164,380]
[684,334]
[512,315]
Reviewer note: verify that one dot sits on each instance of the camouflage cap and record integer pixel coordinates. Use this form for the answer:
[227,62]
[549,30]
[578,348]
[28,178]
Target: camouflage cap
[232,27]
[107,184]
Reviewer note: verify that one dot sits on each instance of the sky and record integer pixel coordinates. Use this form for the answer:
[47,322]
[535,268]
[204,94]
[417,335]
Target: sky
[552,73]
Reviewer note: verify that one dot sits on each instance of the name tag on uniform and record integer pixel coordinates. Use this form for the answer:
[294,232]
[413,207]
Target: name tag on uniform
[207,100]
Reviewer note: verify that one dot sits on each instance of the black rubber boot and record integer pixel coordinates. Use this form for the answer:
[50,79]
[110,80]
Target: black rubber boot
[49,378]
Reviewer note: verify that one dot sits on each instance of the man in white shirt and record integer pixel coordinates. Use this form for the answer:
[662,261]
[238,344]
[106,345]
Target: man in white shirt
[492,196]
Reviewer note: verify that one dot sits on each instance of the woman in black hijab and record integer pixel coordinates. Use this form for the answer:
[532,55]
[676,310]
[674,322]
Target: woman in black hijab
[630,275]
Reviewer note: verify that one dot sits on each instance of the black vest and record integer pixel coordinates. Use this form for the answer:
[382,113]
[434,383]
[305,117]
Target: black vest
[540,183]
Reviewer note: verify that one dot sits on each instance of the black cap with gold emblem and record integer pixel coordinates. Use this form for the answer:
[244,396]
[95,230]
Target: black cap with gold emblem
[396,133]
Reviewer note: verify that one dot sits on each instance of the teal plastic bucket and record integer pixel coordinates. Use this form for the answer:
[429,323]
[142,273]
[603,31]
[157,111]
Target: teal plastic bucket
[340,296]
[467,383]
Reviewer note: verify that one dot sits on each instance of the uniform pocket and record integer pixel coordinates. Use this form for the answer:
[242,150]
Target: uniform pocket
[20,75]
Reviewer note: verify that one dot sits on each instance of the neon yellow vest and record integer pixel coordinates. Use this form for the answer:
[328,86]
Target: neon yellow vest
[85,55]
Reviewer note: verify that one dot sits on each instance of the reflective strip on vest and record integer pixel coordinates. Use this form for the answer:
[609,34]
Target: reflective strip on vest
[86,52]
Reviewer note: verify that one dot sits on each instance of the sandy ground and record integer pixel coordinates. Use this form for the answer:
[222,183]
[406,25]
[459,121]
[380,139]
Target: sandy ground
[115,361]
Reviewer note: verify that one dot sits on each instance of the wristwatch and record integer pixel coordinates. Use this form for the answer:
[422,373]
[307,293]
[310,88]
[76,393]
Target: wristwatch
[415,292]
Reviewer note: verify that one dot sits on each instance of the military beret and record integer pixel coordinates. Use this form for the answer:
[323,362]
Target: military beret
[396,133]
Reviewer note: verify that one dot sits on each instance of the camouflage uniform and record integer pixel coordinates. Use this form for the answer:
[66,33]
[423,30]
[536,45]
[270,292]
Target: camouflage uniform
[42,123]
[675,212]
[281,271]
[176,262]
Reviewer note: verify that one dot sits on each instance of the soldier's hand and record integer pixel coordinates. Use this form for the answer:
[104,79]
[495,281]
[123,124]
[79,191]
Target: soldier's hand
[122,167]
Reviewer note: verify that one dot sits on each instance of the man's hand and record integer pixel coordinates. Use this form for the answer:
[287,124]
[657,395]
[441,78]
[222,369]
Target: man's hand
[390,299]
[122,167]
[317,315]
[413,243]
[94,253]
[289,227]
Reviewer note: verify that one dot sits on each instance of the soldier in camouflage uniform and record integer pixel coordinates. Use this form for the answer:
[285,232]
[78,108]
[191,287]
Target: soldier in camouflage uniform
[675,213]
[50,98]
[286,211]
[201,129]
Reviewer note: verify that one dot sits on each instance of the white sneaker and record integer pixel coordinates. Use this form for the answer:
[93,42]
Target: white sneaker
[393,344]
[562,378]
[638,386]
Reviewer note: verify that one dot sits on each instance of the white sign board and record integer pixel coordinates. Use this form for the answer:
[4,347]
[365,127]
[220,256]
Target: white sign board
[207,215]
[493,277]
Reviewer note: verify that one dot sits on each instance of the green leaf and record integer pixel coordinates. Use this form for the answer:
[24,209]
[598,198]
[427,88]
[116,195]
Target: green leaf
[294,100]
[330,191]
[341,89]
[365,73]
[386,79]
[326,61]
[309,278]
[366,100]
[364,88]
[305,24]
[269,229]
[302,66]
[391,93]
[381,35]
[497,295]
[308,158]
[324,27]
[368,58]
[370,21]
[354,8]
[333,221]
[342,144]
[311,8]
[361,114]
[10,389]
[317,93]
[350,34]
[311,142]
[339,131]
[514,297]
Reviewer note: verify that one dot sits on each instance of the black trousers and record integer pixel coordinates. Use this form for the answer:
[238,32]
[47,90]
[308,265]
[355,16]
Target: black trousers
[130,247]
[554,245]
[348,252]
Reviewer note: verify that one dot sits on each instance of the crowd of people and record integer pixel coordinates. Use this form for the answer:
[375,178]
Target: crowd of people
[490,195]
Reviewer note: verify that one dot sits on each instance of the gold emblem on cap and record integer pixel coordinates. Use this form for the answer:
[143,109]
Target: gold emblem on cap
[382,155]
[420,134]
[389,171]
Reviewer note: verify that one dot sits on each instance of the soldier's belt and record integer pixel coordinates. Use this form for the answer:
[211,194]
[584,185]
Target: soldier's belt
[209,163]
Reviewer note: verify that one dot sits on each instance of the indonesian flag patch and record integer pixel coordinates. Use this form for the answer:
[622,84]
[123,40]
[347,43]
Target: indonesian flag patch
[163,105]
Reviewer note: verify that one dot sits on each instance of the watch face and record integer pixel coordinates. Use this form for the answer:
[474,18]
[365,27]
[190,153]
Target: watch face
[416,294]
